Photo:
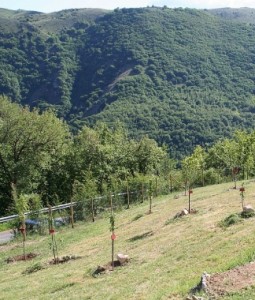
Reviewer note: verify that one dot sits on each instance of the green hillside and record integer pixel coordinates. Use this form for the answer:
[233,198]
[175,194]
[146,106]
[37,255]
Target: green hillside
[182,76]
[167,257]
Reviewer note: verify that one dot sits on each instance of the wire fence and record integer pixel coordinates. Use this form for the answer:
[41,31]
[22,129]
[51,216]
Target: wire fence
[86,208]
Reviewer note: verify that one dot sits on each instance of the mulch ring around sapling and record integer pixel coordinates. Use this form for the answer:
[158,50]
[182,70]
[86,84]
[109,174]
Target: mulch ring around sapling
[107,268]
[28,256]
[185,212]
[63,259]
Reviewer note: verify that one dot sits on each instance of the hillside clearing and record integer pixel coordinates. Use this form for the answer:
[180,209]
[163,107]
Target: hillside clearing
[164,265]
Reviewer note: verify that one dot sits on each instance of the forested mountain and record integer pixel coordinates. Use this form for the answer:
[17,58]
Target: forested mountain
[182,76]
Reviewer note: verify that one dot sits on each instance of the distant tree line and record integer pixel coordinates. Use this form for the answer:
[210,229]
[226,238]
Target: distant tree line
[41,160]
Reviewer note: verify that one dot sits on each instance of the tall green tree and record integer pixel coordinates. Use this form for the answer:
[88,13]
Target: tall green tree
[29,143]
[148,156]
[224,156]
[199,161]
[245,143]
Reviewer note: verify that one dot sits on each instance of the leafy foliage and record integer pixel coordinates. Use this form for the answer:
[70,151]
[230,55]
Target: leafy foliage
[182,76]
[30,142]
[47,165]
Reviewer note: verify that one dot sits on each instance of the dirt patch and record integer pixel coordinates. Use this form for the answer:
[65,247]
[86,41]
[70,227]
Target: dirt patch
[63,259]
[26,257]
[107,268]
[185,212]
[193,211]
[220,284]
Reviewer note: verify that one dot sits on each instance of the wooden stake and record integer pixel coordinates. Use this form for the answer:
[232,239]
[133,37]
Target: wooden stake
[189,200]
[24,238]
[111,203]
[112,231]
[150,195]
[142,192]
[53,240]
[171,183]
[71,214]
[156,186]
[128,196]
[92,210]
[113,252]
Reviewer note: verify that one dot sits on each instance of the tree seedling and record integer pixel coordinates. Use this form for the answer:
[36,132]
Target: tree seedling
[242,190]
[150,195]
[190,192]
[112,229]
[21,203]
[53,238]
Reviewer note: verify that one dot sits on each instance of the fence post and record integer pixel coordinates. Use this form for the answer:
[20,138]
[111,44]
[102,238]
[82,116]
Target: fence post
[112,222]
[142,192]
[128,196]
[150,195]
[156,188]
[92,209]
[71,214]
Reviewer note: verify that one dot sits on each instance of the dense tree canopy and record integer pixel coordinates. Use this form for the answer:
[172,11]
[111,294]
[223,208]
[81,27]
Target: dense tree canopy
[181,76]
[41,160]
[29,142]
[39,155]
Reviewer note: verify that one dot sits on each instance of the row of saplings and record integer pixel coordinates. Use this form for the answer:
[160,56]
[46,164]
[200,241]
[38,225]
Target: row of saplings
[205,282]
[21,205]
[247,210]
[122,259]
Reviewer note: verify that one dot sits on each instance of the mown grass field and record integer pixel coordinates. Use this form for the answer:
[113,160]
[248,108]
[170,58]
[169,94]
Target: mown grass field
[164,265]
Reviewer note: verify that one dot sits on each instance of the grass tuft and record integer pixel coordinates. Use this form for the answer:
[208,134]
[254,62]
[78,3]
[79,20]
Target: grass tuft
[236,218]
[247,214]
[230,220]
[34,268]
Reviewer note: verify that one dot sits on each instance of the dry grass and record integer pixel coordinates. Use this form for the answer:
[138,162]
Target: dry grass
[164,265]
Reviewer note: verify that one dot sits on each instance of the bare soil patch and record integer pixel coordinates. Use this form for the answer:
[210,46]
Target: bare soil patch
[28,256]
[107,268]
[63,259]
[220,284]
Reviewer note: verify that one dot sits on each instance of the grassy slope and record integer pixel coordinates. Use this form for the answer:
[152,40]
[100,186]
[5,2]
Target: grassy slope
[51,22]
[163,266]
